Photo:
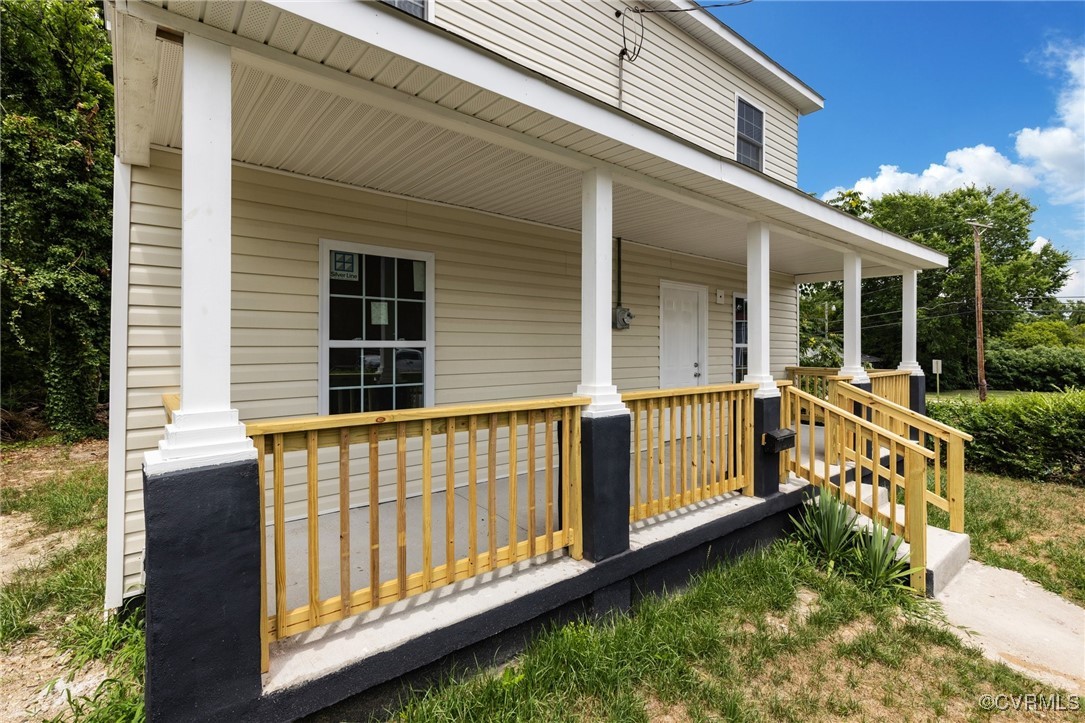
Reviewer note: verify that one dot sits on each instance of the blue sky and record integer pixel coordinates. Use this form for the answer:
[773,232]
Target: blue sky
[935,95]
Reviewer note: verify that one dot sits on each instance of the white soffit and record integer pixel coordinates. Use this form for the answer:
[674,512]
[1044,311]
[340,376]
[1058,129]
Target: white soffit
[531,169]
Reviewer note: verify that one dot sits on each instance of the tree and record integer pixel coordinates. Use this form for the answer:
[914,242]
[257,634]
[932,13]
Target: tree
[1016,280]
[1042,332]
[56,191]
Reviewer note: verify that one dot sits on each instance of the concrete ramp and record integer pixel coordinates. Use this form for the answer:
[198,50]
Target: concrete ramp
[1016,622]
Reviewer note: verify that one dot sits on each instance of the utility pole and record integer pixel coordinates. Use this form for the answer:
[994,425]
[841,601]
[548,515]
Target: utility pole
[980,371]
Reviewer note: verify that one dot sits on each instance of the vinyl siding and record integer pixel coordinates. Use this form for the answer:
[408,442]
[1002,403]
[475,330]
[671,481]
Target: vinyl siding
[507,307]
[677,83]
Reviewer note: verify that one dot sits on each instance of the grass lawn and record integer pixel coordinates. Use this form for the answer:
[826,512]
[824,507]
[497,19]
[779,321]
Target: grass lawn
[52,633]
[1035,528]
[768,638]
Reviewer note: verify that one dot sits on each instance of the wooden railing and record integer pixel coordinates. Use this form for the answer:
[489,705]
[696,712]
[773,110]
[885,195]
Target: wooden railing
[946,469]
[891,384]
[689,445]
[814,380]
[527,453]
[838,453]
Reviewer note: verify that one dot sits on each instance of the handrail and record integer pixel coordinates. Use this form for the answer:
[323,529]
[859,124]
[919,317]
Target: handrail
[318,422]
[947,465]
[881,431]
[873,400]
[171,403]
[872,373]
[857,449]
[685,391]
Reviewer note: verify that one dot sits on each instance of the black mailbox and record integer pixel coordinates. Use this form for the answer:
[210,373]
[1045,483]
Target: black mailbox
[778,440]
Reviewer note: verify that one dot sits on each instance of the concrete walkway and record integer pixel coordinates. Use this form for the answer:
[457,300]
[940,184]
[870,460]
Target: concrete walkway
[1016,622]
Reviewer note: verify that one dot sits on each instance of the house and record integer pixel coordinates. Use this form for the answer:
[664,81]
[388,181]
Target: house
[372,367]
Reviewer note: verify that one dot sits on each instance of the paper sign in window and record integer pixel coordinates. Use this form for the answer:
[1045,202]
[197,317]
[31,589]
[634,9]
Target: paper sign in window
[378,313]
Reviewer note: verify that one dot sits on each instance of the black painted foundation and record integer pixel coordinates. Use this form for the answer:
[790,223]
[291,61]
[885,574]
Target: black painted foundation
[766,465]
[202,567]
[917,397]
[604,454]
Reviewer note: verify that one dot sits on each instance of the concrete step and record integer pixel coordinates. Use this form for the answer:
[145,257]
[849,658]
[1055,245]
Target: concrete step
[947,552]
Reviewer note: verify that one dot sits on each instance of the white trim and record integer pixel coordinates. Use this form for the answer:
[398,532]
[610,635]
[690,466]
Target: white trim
[764,128]
[430,374]
[435,48]
[702,326]
[431,11]
[722,38]
[118,384]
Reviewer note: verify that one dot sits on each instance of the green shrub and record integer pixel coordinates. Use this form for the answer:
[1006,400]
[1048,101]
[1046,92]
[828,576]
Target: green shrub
[1039,369]
[877,562]
[1033,436]
[826,527]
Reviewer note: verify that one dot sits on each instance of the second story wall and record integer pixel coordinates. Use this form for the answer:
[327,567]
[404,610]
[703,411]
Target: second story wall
[677,83]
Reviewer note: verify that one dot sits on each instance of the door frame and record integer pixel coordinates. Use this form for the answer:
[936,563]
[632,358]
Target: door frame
[702,326]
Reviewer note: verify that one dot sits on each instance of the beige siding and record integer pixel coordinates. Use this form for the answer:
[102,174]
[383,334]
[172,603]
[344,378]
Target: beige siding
[677,83]
[507,305]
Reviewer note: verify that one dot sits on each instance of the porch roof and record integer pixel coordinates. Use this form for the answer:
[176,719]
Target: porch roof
[366,96]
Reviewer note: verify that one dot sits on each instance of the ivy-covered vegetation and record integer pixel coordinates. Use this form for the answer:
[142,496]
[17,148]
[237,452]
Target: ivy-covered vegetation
[56,191]
[1031,436]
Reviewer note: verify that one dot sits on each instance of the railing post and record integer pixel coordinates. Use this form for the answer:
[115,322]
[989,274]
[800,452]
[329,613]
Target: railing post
[915,510]
[955,483]
[763,466]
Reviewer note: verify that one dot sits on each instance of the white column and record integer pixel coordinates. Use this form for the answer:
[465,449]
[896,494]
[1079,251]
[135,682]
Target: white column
[757,309]
[597,214]
[205,430]
[853,295]
[908,326]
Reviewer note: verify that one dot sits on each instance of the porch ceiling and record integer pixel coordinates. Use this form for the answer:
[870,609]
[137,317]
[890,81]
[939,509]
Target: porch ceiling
[324,127]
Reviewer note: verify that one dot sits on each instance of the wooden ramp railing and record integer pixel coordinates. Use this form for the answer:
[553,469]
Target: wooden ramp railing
[689,445]
[891,384]
[527,453]
[837,453]
[945,475]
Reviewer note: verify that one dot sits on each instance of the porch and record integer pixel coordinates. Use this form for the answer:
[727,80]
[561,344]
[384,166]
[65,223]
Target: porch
[384,295]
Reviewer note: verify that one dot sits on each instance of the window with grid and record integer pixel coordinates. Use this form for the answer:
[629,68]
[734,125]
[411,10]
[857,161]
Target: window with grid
[742,339]
[749,146]
[377,335]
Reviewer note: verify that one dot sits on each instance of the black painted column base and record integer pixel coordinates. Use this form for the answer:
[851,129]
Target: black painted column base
[766,465]
[615,599]
[917,399]
[202,568]
[604,469]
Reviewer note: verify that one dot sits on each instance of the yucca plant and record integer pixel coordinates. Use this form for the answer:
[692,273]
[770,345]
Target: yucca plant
[876,562]
[826,527]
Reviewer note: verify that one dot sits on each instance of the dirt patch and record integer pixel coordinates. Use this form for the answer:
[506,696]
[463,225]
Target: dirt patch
[817,684]
[25,466]
[805,603]
[33,683]
[660,712]
[22,546]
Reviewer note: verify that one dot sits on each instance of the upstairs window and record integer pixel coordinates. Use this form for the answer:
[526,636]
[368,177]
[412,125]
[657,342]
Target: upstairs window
[413,7]
[377,328]
[749,147]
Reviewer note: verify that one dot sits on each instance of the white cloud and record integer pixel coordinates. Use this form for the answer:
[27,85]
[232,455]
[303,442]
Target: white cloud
[1038,244]
[1075,285]
[1050,158]
[1058,152]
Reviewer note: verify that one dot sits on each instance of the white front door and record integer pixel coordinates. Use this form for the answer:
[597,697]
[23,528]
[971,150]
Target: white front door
[681,335]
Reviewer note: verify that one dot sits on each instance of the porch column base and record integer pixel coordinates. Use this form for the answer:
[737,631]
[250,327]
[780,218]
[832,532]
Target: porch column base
[766,385]
[604,469]
[605,401]
[766,465]
[858,376]
[200,439]
[202,565]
